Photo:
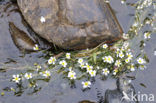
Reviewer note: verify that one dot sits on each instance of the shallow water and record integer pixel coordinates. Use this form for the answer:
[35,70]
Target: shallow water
[12,61]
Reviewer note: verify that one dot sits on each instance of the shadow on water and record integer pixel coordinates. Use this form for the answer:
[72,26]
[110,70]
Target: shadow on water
[57,90]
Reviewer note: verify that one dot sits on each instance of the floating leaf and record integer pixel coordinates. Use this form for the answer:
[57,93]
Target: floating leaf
[143,85]
[146,58]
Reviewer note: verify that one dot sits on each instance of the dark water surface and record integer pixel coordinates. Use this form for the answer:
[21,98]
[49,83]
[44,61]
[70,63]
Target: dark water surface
[12,61]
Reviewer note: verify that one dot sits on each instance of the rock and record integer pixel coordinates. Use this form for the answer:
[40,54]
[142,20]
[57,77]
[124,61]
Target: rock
[86,101]
[123,84]
[21,39]
[22,35]
[124,88]
[113,96]
[72,24]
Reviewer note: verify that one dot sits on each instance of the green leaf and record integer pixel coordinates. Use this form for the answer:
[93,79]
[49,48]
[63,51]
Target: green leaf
[94,57]
[146,58]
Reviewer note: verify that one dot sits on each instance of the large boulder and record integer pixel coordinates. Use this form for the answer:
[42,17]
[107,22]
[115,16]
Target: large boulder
[72,24]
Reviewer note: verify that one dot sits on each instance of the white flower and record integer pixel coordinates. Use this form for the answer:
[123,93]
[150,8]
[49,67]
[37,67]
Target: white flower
[108,59]
[71,75]
[148,21]
[125,45]
[38,67]
[98,67]
[92,73]
[117,52]
[142,67]
[155,52]
[16,78]
[115,71]
[135,24]
[63,63]
[105,59]
[68,55]
[86,84]
[132,67]
[70,68]
[121,55]
[147,35]
[118,63]
[52,60]
[80,60]
[82,65]
[147,3]
[129,55]
[105,71]
[122,1]
[28,75]
[141,61]
[125,36]
[89,68]
[127,60]
[46,73]
[105,46]
[36,47]
[42,19]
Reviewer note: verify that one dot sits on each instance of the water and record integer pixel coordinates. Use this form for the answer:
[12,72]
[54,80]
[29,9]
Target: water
[57,90]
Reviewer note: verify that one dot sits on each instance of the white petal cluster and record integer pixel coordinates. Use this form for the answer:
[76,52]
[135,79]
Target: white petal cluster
[105,71]
[108,59]
[16,78]
[28,75]
[68,55]
[71,75]
[52,60]
[63,63]
[86,84]
[141,61]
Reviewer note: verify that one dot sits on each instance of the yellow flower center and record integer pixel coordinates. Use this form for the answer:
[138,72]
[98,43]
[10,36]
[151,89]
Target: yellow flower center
[28,76]
[89,69]
[50,61]
[53,59]
[115,70]
[43,72]
[105,71]
[109,59]
[140,61]
[72,76]
[63,63]
[121,55]
[48,74]
[92,72]
[105,59]
[16,78]
[86,83]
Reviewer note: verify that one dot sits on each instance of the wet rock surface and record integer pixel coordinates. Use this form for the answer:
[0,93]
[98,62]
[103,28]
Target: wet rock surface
[22,35]
[123,93]
[72,24]
[10,54]
[21,39]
